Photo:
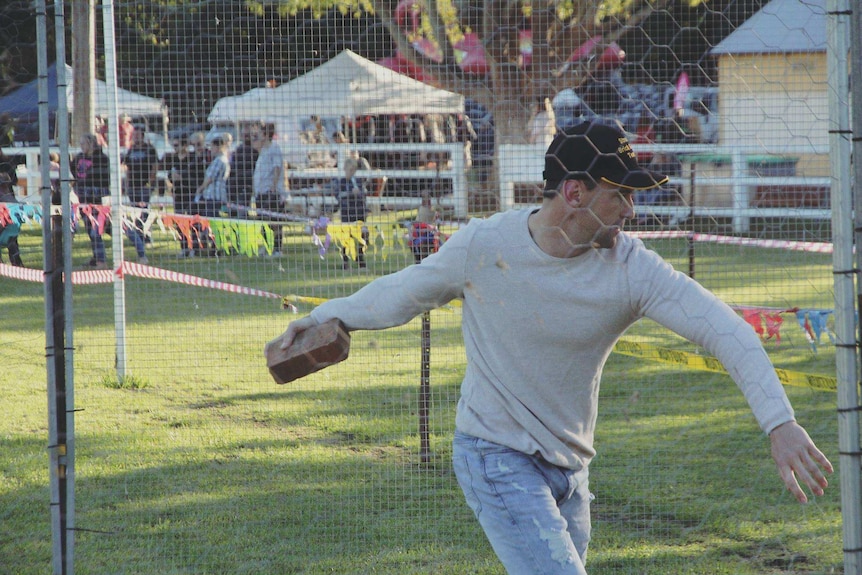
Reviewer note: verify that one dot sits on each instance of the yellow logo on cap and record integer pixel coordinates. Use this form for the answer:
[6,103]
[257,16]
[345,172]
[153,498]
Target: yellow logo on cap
[625,148]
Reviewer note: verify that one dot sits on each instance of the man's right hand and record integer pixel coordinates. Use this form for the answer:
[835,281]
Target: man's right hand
[295,328]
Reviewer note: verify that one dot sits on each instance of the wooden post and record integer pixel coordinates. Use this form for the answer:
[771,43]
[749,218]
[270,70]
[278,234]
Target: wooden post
[83,68]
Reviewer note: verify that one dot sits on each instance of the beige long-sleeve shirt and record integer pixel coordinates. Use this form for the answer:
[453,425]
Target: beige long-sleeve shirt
[538,329]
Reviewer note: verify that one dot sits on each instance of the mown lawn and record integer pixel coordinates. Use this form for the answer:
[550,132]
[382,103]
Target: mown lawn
[199,463]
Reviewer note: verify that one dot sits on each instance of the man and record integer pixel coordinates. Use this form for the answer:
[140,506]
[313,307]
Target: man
[92,172]
[142,168]
[352,206]
[242,164]
[546,294]
[212,192]
[270,179]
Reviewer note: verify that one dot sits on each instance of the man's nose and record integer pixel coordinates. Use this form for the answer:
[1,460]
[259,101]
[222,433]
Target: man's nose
[628,211]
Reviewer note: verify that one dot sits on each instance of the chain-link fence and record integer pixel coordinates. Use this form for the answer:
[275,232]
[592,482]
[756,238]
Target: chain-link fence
[202,173]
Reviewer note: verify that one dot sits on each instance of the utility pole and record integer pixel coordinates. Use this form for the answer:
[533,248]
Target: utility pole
[83,68]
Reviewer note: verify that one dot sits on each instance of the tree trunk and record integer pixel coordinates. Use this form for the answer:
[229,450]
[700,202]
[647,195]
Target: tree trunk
[83,68]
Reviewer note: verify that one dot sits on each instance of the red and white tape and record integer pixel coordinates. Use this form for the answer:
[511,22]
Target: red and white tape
[92,277]
[813,247]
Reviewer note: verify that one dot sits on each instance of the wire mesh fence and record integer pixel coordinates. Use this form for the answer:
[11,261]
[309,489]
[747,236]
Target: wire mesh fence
[274,157]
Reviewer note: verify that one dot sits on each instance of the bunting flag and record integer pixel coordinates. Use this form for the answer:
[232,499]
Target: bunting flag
[97,214]
[242,237]
[348,237]
[191,228]
[814,324]
[20,214]
[251,237]
[320,227]
[767,323]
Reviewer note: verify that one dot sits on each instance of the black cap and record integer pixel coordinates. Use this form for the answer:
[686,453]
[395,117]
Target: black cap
[598,152]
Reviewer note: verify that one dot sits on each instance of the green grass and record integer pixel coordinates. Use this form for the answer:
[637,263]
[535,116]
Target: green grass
[196,462]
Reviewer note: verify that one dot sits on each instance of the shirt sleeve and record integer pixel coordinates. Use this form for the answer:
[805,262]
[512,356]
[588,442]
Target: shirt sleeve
[397,298]
[684,306]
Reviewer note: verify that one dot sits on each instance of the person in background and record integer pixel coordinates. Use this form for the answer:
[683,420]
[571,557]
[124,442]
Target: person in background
[350,191]
[9,167]
[200,159]
[100,130]
[175,164]
[197,167]
[211,194]
[546,293]
[126,131]
[180,166]
[92,173]
[142,168]
[270,179]
[9,231]
[242,165]
[7,130]
[543,124]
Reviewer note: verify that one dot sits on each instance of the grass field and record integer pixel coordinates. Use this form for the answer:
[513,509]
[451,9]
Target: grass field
[199,464]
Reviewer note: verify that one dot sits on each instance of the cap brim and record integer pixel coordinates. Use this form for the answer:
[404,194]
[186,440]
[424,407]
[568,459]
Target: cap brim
[637,180]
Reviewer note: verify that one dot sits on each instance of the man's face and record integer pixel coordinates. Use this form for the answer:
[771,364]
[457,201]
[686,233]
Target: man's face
[256,138]
[608,208]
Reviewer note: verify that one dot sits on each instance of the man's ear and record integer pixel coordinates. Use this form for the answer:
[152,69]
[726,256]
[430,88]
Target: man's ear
[573,191]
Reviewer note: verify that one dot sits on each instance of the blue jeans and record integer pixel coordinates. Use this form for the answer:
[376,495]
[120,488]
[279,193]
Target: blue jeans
[96,241]
[535,514]
[135,233]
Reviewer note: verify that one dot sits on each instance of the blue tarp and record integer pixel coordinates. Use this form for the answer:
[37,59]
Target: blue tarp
[24,102]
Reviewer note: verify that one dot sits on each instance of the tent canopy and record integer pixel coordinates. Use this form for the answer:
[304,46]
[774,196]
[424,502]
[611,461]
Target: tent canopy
[24,102]
[348,85]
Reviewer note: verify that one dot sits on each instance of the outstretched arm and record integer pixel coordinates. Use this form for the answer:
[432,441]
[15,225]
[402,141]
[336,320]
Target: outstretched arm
[798,458]
[687,308]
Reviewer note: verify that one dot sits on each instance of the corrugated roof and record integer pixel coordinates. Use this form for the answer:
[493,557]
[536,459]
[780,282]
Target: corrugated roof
[779,27]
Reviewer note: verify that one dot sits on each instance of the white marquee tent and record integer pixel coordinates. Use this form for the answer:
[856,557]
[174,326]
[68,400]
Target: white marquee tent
[348,85]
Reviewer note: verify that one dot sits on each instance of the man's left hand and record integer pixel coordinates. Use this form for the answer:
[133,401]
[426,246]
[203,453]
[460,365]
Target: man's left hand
[798,458]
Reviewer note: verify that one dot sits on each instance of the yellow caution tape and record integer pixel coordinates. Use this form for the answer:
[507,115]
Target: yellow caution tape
[294,299]
[705,363]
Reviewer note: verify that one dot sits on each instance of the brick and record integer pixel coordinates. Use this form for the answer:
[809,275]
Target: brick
[312,350]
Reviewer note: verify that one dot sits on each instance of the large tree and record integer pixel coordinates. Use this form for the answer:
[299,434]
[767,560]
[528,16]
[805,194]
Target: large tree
[558,29]
[192,52]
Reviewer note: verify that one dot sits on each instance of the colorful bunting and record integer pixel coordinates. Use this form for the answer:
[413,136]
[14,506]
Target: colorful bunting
[767,323]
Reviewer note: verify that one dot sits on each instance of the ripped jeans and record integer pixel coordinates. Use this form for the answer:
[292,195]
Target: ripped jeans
[535,514]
